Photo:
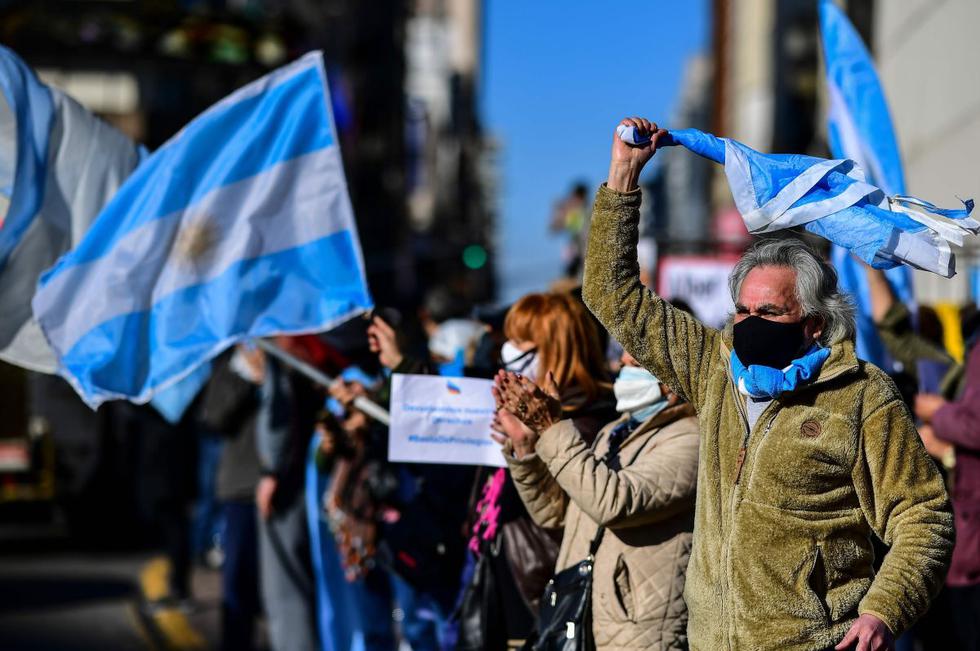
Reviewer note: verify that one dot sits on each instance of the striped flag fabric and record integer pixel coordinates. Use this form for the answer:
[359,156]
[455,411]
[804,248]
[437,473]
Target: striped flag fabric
[832,199]
[59,166]
[239,227]
[859,127]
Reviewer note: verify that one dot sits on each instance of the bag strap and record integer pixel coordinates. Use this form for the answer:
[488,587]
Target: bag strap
[594,545]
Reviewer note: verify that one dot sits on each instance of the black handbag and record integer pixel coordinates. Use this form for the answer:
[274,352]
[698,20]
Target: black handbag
[565,616]
[477,614]
[491,613]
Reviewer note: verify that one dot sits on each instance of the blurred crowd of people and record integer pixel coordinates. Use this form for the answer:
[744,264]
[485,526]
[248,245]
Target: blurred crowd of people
[340,548]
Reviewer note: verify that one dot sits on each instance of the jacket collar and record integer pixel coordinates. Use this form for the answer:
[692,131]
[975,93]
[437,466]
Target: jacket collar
[842,360]
[665,417]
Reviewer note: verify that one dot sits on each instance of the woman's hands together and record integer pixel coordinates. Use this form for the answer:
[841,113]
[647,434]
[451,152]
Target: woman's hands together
[524,410]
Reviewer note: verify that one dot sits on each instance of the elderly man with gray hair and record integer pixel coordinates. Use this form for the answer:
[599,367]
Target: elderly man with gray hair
[806,452]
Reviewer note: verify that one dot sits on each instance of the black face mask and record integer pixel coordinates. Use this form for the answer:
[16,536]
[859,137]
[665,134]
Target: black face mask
[767,343]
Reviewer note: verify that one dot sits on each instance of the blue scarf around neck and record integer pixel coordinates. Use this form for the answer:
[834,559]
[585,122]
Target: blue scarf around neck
[766,382]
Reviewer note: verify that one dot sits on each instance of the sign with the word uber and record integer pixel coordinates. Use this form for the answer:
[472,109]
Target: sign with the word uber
[436,419]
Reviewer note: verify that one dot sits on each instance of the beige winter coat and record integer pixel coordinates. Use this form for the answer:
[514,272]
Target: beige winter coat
[644,495]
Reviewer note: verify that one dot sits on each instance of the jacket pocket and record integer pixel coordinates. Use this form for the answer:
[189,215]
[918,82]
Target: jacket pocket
[623,589]
[817,581]
[848,571]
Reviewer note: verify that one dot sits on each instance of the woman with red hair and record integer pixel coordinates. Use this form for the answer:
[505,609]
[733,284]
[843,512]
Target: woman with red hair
[548,334]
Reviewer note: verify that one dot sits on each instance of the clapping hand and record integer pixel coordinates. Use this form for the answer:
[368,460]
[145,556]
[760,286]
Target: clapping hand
[524,410]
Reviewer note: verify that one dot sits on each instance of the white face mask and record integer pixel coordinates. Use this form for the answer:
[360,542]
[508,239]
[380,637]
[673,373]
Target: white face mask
[520,361]
[638,393]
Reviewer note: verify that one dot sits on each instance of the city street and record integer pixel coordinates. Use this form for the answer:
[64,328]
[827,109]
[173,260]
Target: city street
[52,597]
[57,598]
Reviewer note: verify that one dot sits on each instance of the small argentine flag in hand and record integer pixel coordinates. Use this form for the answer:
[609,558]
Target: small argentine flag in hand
[832,199]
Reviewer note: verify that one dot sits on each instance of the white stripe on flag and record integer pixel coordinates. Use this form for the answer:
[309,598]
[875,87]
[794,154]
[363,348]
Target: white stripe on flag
[292,204]
[87,162]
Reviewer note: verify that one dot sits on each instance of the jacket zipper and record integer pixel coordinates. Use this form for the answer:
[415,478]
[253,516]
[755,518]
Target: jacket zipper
[731,514]
[740,462]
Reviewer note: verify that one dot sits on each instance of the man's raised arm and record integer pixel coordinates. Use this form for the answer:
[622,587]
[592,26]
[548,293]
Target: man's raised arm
[673,345]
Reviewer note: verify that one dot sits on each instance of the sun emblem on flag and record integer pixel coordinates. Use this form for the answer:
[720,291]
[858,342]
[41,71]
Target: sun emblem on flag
[195,242]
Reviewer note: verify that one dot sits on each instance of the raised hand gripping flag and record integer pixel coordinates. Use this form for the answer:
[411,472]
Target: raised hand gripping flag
[238,227]
[59,165]
[832,199]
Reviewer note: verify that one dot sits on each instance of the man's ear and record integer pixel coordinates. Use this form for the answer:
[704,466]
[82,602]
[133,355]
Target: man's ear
[813,327]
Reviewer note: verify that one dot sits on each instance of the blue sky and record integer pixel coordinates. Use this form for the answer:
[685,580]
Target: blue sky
[558,78]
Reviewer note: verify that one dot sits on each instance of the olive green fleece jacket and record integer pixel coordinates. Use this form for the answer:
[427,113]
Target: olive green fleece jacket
[782,555]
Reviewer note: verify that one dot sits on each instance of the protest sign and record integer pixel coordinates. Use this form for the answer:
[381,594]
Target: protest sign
[702,282]
[436,419]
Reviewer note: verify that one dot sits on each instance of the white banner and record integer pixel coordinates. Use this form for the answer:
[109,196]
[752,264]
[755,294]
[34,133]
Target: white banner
[436,419]
[702,282]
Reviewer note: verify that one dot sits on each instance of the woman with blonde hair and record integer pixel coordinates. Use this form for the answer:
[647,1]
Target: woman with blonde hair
[549,335]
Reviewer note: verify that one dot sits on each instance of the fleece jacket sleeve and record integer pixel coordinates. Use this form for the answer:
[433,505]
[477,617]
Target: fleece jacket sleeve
[903,497]
[668,342]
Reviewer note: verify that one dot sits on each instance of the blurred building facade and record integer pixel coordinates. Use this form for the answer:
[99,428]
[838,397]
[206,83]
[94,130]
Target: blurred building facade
[404,81]
[678,212]
[926,53]
[450,173]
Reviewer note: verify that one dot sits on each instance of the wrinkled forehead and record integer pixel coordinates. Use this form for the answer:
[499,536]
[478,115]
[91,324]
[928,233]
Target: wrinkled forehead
[769,286]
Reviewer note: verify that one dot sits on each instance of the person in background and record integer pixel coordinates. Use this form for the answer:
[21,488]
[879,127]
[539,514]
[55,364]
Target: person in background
[926,368]
[229,406]
[416,511]
[361,482]
[486,356]
[351,606]
[266,417]
[453,345]
[570,217]
[288,404]
[917,348]
[166,456]
[951,433]
[805,450]
[636,482]
[546,333]
[439,305]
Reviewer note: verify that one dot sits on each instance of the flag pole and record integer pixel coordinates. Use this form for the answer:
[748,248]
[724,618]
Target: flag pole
[372,409]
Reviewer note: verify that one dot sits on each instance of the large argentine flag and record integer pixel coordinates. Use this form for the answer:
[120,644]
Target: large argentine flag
[832,199]
[238,227]
[59,165]
[860,128]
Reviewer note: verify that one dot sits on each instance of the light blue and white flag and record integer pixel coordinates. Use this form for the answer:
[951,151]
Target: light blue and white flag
[238,227]
[59,165]
[859,127]
[832,199]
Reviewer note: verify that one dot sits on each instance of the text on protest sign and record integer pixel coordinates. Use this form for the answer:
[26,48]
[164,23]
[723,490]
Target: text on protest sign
[437,419]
